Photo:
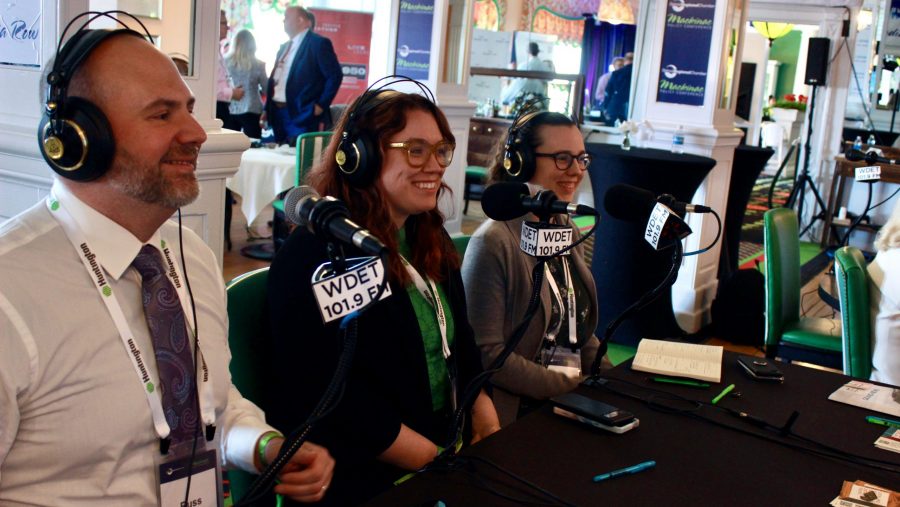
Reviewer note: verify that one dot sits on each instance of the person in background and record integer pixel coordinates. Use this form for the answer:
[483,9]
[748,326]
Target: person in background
[249,74]
[556,351]
[97,390]
[600,94]
[884,293]
[415,353]
[305,79]
[225,90]
[618,92]
[524,86]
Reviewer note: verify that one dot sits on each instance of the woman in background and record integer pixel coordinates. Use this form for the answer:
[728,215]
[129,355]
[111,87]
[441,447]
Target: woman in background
[884,293]
[415,351]
[247,72]
[556,350]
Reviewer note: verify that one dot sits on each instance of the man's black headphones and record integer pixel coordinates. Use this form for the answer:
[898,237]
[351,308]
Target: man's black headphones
[74,135]
[358,154]
[518,157]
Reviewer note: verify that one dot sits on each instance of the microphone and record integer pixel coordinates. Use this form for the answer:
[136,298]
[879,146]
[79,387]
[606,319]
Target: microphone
[508,200]
[870,157]
[664,226]
[328,217]
[634,204]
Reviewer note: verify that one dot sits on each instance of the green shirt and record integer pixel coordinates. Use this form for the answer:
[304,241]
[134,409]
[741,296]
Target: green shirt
[438,374]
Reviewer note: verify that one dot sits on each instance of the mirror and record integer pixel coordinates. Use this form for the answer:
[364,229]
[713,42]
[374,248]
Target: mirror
[171,23]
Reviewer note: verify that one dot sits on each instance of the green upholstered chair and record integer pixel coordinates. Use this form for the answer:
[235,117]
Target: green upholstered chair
[856,324]
[461,242]
[310,147]
[248,340]
[788,336]
[476,177]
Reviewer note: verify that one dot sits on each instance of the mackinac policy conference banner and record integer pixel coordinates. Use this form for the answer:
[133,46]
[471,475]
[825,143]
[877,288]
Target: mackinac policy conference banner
[414,38]
[685,54]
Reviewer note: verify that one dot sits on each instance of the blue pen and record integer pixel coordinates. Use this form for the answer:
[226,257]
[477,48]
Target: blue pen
[626,471]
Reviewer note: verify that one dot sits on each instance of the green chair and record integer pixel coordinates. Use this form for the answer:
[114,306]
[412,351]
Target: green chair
[788,336]
[853,293]
[310,147]
[461,242]
[248,340]
[476,176]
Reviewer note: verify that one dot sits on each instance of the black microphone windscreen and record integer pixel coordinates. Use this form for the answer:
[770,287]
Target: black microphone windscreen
[293,197]
[629,203]
[503,201]
[854,155]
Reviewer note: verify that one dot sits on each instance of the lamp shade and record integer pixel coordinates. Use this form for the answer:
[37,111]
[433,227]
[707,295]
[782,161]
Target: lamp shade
[772,31]
[616,12]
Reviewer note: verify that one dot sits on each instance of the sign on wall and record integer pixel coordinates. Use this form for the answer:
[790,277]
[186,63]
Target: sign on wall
[685,54]
[20,34]
[892,30]
[351,35]
[414,38]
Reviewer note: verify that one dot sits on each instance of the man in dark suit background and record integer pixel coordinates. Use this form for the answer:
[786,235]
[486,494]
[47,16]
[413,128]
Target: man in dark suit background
[618,91]
[305,79]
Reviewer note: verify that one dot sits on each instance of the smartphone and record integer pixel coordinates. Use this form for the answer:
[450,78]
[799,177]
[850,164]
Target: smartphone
[595,413]
[760,368]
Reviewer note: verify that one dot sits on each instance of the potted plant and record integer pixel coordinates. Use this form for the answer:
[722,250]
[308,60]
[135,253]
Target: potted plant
[788,108]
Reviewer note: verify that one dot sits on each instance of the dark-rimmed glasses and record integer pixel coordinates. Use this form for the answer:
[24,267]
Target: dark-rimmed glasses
[418,151]
[564,160]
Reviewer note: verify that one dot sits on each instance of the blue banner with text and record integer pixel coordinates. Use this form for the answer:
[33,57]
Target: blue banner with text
[414,38]
[685,54]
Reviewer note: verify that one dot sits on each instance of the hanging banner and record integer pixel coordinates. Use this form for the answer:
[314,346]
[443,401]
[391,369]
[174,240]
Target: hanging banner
[414,38]
[20,34]
[350,34]
[685,54]
[892,30]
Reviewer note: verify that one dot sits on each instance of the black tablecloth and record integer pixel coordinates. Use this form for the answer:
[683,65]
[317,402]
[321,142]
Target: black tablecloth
[698,462]
[625,267]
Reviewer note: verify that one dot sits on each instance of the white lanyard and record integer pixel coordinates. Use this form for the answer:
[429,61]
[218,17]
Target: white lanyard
[138,360]
[434,299]
[569,309]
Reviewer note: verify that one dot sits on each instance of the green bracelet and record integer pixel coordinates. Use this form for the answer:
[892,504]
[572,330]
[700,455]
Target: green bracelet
[263,443]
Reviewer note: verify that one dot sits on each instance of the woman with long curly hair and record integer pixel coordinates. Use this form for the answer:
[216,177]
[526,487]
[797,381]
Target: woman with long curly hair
[884,294]
[410,364]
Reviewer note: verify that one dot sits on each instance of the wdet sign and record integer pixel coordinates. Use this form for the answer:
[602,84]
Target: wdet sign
[685,55]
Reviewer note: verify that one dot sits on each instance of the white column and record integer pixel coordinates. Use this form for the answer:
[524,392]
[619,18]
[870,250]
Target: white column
[709,131]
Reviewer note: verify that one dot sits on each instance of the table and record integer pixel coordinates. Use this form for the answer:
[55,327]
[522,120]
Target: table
[843,169]
[264,173]
[698,463]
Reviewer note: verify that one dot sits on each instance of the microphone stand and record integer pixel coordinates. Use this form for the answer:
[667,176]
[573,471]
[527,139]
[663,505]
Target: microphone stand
[640,304]
[333,393]
[804,178]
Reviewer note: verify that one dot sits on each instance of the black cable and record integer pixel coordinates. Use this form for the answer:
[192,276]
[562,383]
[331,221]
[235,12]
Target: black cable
[326,404]
[637,306]
[715,240]
[520,479]
[886,200]
[783,430]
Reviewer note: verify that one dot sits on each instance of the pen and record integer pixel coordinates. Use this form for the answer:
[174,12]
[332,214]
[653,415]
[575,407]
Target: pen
[691,383]
[625,471]
[722,394]
[884,422]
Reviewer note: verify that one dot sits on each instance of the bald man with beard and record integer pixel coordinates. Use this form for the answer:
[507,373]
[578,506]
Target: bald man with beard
[77,419]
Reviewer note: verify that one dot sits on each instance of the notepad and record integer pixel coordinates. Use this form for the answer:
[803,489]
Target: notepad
[871,396]
[701,362]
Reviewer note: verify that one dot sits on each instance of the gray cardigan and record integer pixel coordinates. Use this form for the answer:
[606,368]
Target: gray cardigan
[497,278]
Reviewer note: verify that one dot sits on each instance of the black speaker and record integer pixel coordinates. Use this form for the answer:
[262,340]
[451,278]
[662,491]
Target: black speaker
[817,60]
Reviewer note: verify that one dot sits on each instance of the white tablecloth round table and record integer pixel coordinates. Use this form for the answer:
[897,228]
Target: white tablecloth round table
[264,173]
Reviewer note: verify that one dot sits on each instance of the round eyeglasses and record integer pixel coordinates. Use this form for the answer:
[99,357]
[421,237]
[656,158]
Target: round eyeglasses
[418,151]
[564,160]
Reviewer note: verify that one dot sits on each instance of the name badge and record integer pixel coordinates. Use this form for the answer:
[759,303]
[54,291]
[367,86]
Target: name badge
[173,480]
[870,173]
[338,295]
[544,240]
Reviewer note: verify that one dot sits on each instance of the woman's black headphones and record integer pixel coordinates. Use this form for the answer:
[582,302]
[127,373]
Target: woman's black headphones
[74,135]
[518,157]
[358,154]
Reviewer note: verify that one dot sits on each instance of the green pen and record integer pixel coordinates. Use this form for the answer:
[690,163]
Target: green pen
[884,422]
[722,394]
[692,383]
